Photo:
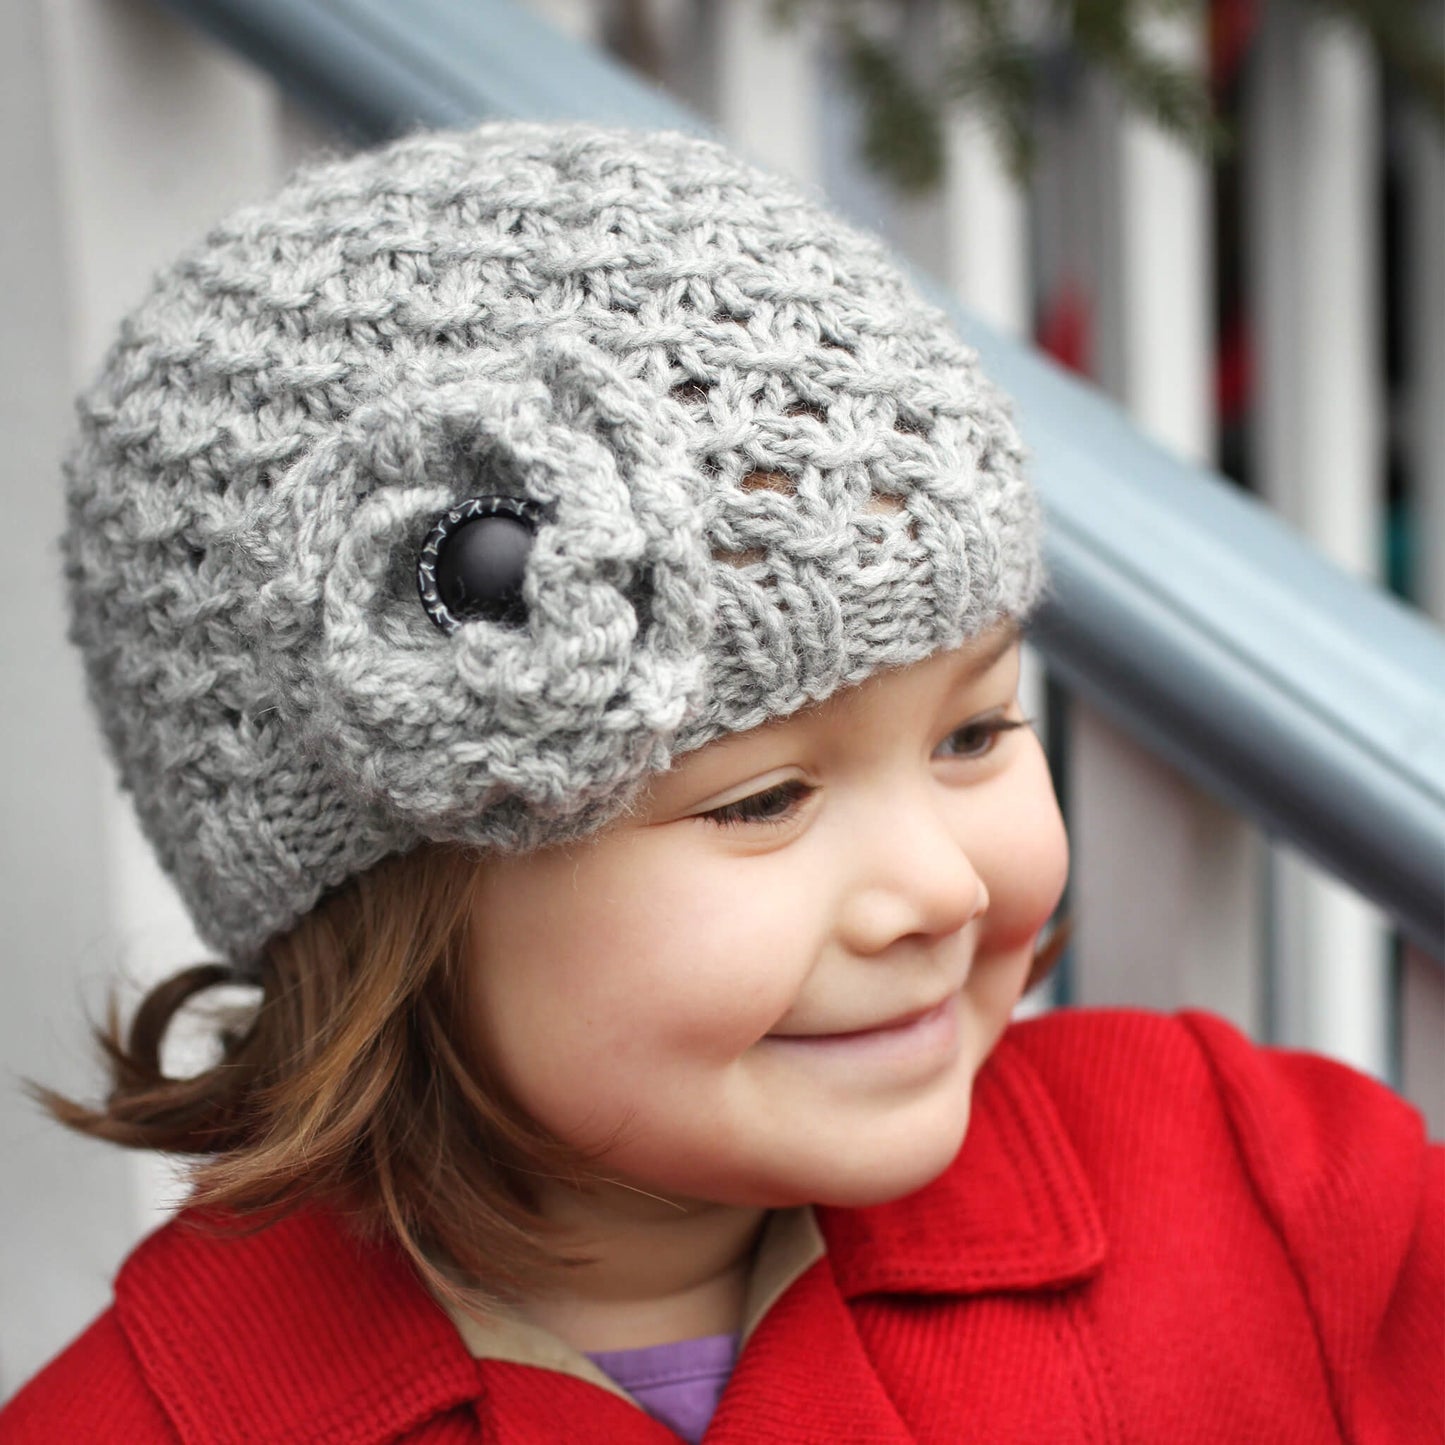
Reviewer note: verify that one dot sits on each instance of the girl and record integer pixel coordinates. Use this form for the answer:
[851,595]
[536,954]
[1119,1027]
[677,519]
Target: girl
[554,596]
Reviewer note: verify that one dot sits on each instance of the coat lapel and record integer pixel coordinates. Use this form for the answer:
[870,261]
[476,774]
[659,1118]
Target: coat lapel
[804,1379]
[296,1332]
[1015,1211]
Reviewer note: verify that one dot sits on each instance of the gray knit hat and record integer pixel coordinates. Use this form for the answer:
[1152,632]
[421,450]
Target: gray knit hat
[751,465]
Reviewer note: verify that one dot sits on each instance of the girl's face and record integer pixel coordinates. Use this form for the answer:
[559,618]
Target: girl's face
[774,983]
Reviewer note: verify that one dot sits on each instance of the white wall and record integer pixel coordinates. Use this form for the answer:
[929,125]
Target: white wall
[123,137]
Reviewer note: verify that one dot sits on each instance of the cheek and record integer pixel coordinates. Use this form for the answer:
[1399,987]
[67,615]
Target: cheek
[538,1018]
[701,960]
[605,979]
[1024,856]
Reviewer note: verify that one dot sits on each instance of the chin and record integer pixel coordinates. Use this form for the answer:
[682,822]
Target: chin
[880,1176]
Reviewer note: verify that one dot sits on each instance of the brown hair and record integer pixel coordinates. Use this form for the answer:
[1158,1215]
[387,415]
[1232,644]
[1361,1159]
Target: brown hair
[347,1086]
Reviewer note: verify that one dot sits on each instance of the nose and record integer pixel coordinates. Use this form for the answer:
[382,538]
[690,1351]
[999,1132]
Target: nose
[914,876]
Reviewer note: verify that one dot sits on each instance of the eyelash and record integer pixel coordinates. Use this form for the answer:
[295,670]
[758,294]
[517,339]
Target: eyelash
[987,730]
[772,805]
[777,804]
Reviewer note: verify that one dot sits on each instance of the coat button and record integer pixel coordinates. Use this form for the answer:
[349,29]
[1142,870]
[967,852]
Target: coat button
[474,562]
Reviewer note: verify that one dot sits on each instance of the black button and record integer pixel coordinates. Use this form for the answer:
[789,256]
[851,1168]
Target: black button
[475,560]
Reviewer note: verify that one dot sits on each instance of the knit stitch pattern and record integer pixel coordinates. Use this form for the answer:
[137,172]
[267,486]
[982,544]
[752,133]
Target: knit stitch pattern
[766,470]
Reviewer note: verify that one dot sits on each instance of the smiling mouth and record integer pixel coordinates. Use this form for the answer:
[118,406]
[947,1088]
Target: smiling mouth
[920,1041]
[898,1025]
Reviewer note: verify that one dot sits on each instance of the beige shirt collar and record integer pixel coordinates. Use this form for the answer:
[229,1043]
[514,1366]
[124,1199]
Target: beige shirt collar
[791,1243]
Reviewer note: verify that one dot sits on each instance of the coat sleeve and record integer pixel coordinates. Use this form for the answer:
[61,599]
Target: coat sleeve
[92,1391]
[1357,1195]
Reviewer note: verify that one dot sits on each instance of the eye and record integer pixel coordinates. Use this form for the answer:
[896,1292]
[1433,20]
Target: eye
[976,739]
[773,805]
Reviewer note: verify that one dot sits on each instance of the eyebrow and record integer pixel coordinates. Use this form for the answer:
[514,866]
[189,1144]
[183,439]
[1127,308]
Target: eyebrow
[977,665]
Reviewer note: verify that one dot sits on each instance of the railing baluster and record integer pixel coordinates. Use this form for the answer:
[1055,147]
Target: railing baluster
[764,85]
[1167,881]
[1315,203]
[1422,984]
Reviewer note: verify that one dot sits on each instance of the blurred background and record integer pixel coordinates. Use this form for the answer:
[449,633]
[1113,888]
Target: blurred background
[1230,217]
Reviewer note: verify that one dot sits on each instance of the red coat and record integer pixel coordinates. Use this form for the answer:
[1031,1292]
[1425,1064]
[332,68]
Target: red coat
[1155,1232]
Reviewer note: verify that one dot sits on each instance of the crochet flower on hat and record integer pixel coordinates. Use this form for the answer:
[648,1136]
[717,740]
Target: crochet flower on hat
[552,715]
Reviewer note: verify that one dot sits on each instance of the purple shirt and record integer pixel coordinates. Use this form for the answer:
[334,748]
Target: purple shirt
[678,1384]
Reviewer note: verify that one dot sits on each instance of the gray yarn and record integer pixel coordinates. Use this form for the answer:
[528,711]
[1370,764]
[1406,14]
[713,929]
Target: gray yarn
[768,470]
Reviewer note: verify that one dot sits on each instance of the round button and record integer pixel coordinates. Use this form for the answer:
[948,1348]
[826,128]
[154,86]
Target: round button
[475,560]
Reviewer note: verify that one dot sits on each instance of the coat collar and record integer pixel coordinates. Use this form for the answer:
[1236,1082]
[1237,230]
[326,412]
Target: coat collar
[1015,1211]
[298,1332]
[295,1332]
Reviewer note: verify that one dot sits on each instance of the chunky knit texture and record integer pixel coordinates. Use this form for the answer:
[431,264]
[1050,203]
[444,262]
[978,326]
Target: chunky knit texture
[766,470]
